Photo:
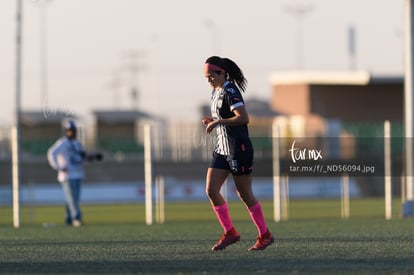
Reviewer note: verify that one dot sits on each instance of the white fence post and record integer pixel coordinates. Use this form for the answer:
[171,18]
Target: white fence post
[148,174]
[160,200]
[224,190]
[408,206]
[387,170]
[16,129]
[16,178]
[276,172]
[285,198]
[345,206]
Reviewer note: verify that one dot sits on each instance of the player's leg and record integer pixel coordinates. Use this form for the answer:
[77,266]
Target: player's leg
[68,218]
[244,189]
[217,173]
[76,190]
[67,190]
[214,181]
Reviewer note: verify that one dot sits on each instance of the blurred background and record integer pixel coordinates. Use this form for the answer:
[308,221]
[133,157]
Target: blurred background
[328,72]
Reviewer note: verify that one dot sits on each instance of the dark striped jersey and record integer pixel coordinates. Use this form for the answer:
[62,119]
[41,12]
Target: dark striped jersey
[223,102]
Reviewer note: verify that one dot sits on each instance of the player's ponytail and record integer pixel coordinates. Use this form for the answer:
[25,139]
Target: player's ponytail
[234,73]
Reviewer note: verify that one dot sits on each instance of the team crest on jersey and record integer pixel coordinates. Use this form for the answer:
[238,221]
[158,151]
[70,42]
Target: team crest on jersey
[219,102]
[231,90]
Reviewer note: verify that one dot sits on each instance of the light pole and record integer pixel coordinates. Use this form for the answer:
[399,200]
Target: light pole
[352,48]
[408,206]
[298,12]
[16,129]
[114,85]
[134,66]
[215,36]
[44,88]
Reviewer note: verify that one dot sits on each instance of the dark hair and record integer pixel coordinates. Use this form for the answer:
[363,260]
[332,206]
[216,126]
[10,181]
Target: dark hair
[234,73]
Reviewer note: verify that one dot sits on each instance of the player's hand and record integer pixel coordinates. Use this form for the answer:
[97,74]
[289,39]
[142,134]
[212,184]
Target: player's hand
[210,126]
[206,120]
[99,156]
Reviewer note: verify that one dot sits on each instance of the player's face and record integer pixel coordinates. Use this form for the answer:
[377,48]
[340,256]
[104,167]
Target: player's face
[216,79]
[71,134]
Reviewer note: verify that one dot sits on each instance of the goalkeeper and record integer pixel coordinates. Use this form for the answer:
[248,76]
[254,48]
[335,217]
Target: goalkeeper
[67,156]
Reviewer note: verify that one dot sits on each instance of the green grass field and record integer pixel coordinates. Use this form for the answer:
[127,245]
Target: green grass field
[116,240]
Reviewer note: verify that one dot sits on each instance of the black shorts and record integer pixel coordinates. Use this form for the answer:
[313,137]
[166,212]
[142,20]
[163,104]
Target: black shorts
[240,162]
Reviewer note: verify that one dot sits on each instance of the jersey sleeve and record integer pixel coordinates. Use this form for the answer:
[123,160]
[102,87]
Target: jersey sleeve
[53,152]
[234,98]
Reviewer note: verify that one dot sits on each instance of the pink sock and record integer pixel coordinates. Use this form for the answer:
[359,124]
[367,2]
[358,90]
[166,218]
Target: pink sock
[222,213]
[258,219]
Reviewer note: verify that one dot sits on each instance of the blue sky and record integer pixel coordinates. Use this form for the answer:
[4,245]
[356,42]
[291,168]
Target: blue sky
[89,41]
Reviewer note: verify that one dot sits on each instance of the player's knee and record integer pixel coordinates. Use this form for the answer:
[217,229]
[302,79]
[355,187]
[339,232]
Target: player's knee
[211,192]
[247,198]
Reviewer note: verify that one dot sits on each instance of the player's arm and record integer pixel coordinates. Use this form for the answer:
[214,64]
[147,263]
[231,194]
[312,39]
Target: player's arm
[52,155]
[237,107]
[240,117]
[87,156]
[92,156]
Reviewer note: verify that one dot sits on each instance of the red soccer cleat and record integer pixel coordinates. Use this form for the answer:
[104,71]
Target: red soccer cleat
[228,238]
[263,241]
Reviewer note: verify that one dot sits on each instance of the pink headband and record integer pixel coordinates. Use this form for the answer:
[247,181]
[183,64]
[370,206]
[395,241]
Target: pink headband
[212,67]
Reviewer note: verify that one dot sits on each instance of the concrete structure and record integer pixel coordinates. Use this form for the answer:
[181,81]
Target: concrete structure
[348,96]
[40,129]
[347,110]
[40,125]
[118,130]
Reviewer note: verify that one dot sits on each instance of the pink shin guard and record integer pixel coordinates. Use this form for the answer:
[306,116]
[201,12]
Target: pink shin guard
[222,213]
[258,219]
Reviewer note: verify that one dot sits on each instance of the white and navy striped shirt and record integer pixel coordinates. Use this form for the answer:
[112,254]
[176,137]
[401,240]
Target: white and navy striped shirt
[223,102]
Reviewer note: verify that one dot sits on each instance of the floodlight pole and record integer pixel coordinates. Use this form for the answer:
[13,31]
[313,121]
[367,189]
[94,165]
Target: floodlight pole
[16,128]
[43,53]
[299,12]
[215,34]
[352,48]
[408,207]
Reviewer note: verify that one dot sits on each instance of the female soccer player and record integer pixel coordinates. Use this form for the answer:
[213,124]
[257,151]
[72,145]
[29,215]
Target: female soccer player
[233,152]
